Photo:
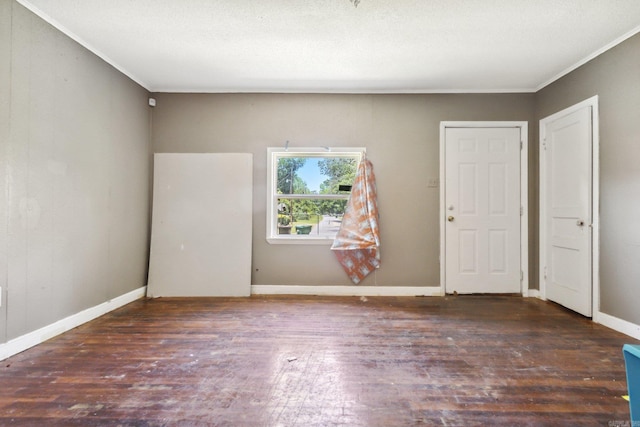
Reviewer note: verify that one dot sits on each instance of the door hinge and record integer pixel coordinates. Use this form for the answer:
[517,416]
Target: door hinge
[545,273]
[521,144]
[521,276]
[521,210]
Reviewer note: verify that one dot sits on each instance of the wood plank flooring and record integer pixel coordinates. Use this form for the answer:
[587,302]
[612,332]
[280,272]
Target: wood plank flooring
[323,361]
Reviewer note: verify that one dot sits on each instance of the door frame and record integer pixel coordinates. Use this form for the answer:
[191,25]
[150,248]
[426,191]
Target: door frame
[524,191]
[595,199]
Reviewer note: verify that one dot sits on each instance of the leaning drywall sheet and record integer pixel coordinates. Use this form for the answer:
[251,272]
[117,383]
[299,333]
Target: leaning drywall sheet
[201,225]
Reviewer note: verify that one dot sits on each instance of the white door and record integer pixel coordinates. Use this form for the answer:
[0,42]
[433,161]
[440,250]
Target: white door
[566,215]
[482,210]
[201,225]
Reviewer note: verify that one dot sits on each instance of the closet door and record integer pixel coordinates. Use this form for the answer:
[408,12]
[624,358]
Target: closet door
[201,225]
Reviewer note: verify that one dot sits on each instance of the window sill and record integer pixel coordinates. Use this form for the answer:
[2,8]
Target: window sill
[300,240]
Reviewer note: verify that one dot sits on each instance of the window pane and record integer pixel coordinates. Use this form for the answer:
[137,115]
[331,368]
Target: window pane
[311,217]
[315,175]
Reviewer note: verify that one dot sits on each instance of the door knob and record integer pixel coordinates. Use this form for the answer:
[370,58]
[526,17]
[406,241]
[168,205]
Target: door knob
[450,218]
[580,223]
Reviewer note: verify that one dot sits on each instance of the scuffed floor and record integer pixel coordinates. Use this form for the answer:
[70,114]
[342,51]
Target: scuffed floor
[323,361]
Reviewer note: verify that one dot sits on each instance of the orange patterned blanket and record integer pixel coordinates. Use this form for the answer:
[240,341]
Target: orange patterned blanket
[357,243]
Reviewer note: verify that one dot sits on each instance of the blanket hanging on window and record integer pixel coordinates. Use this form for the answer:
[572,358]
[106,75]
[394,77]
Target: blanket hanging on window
[357,243]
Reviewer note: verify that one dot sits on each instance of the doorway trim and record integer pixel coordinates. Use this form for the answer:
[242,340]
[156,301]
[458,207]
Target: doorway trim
[595,200]
[524,198]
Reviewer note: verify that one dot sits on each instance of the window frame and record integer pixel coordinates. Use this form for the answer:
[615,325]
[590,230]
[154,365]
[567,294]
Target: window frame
[273,154]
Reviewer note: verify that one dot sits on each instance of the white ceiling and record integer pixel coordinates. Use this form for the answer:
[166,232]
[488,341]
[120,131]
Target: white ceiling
[380,46]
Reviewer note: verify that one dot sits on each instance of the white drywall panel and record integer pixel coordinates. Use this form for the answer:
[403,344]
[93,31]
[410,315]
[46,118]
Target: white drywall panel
[201,225]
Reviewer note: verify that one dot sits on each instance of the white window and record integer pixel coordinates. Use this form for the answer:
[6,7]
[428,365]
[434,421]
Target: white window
[307,192]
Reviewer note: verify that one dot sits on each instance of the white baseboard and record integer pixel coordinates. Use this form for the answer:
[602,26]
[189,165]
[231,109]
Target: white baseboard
[533,293]
[387,291]
[36,337]
[619,325]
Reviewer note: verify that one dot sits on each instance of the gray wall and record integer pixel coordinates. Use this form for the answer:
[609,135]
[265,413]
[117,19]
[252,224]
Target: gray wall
[615,77]
[5,68]
[75,162]
[401,133]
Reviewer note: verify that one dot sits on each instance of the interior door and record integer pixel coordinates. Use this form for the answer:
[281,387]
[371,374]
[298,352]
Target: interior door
[482,210]
[567,156]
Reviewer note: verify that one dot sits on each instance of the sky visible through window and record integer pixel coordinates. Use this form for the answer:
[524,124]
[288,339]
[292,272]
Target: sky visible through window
[310,173]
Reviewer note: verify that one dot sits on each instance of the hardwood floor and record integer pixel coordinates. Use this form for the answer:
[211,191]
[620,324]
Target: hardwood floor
[323,361]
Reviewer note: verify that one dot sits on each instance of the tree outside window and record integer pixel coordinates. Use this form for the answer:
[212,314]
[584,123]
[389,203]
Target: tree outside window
[310,191]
